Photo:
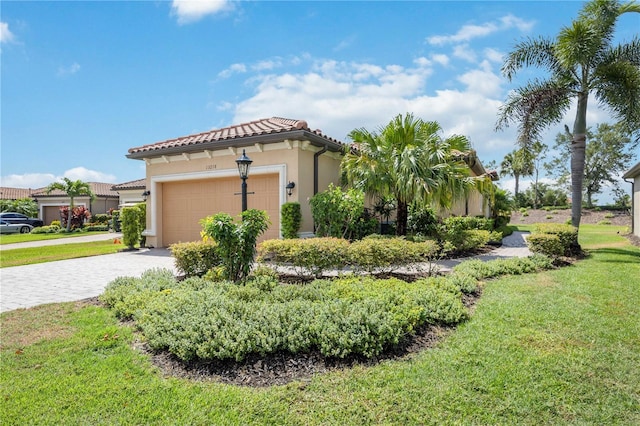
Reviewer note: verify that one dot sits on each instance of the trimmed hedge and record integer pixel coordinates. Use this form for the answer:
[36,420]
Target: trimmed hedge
[195,259]
[51,229]
[560,240]
[314,256]
[513,266]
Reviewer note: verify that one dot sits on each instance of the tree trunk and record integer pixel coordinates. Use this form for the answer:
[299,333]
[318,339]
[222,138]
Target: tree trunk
[578,148]
[69,214]
[401,218]
[535,192]
[517,177]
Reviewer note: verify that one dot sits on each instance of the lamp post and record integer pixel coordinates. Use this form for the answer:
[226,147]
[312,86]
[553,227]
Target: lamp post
[243,168]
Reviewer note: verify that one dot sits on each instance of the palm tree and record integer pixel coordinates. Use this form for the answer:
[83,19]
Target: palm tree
[517,163]
[73,189]
[409,161]
[581,61]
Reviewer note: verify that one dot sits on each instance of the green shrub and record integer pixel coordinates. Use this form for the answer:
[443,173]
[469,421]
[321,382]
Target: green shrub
[382,255]
[55,223]
[512,266]
[604,222]
[290,219]
[142,222]
[116,223]
[311,256]
[236,241]
[96,228]
[422,221]
[194,259]
[51,229]
[101,218]
[567,234]
[341,214]
[609,216]
[454,224]
[546,244]
[467,240]
[357,316]
[130,226]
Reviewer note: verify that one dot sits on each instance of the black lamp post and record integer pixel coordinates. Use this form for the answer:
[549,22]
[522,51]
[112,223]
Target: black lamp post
[243,167]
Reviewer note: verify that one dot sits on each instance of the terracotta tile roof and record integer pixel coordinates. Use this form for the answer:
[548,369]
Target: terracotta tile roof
[99,189]
[7,193]
[227,136]
[134,184]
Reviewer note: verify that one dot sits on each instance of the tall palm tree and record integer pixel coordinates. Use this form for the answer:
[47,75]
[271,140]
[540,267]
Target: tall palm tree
[73,189]
[517,163]
[581,61]
[409,161]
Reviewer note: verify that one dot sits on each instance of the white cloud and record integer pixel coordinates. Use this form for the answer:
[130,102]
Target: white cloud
[40,180]
[6,36]
[340,96]
[463,51]
[493,55]
[233,69]
[69,70]
[88,175]
[471,31]
[189,11]
[441,59]
[28,180]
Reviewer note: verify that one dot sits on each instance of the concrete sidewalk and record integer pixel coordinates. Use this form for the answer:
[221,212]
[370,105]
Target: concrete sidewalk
[77,279]
[59,241]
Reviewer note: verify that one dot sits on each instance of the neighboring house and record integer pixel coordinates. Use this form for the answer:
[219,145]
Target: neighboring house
[49,204]
[634,175]
[7,193]
[475,203]
[130,193]
[195,176]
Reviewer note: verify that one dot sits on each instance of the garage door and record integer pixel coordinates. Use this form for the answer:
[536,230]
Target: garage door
[186,203]
[50,213]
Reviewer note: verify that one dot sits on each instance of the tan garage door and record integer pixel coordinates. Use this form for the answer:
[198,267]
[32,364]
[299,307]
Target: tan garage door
[185,203]
[50,213]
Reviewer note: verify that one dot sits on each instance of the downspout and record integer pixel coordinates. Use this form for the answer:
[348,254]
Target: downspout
[315,168]
[633,204]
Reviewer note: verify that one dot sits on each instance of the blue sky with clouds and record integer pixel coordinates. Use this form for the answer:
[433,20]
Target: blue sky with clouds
[84,81]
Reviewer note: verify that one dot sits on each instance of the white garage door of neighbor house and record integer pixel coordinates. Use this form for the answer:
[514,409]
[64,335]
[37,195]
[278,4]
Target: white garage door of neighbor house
[185,203]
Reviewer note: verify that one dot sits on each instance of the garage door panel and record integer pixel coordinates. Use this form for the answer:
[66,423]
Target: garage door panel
[186,203]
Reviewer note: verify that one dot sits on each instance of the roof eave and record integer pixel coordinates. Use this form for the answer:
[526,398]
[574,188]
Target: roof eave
[632,173]
[314,138]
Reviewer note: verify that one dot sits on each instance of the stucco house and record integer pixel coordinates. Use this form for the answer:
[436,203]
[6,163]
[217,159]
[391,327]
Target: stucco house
[194,176]
[49,204]
[634,175]
[9,193]
[131,193]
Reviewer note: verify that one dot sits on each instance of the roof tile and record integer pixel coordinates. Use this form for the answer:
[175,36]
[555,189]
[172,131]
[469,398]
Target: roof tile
[253,128]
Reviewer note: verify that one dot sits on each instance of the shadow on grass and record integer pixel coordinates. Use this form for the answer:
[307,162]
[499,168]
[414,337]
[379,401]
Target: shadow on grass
[622,255]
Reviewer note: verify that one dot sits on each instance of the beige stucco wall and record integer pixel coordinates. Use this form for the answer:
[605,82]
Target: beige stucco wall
[292,161]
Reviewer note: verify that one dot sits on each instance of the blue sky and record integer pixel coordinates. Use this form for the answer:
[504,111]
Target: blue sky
[84,81]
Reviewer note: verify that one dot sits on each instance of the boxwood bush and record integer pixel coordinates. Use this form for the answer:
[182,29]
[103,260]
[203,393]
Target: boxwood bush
[194,259]
[566,235]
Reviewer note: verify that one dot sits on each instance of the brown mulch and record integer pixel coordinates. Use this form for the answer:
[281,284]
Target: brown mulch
[561,216]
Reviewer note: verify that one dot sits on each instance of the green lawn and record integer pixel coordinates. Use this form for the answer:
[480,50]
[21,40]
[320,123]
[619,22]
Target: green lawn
[20,238]
[560,347]
[28,256]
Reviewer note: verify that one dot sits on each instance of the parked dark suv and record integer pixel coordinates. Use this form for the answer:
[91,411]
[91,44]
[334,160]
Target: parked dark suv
[20,218]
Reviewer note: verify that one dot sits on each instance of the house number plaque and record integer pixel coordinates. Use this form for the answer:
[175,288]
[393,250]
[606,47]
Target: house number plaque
[210,167]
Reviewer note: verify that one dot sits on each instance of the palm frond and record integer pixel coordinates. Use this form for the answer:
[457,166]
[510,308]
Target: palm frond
[534,107]
[530,52]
